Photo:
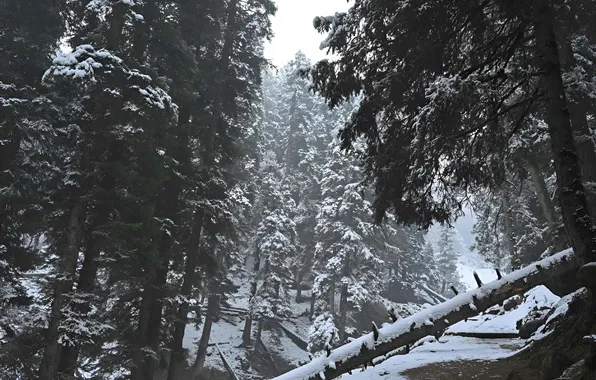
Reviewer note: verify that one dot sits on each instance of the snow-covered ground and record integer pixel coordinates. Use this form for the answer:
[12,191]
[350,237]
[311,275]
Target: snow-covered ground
[449,348]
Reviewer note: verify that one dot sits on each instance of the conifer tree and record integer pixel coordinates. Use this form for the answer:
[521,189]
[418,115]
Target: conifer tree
[446,258]
[449,128]
[347,256]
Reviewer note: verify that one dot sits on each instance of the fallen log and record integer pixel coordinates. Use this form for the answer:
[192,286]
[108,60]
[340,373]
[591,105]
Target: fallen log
[406,331]
[226,362]
[295,338]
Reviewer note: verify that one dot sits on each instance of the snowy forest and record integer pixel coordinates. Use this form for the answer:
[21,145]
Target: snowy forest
[175,206]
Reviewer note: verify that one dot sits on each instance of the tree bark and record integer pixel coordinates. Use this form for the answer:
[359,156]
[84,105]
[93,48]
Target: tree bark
[409,330]
[85,287]
[546,204]
[343,301]
[177,362]
[68,265]
[205,336]
[332,298]
[574,207]
[312,304]
[212,310]
[508,224]
[299,286]
[578,108]
[155,309]
[246,334]
[259,332]
[212,305]
[141,339]
[343,310]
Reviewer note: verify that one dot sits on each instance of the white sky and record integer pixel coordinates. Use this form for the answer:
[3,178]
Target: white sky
[293,28]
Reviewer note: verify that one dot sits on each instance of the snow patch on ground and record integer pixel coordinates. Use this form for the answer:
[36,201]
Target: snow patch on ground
[506,323]
[447,349]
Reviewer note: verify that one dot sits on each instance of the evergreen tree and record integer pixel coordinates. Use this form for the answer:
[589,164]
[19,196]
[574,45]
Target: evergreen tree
[28,35]
[275,246]
[450,115]
[348,250]
[446,258]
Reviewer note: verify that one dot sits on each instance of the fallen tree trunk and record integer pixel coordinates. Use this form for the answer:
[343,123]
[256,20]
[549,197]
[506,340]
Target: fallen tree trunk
[362,351]
[226,362]
[297,340]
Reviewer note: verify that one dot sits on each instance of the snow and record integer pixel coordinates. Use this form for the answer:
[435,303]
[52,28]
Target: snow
[447,349]
[437,312]
[505,323]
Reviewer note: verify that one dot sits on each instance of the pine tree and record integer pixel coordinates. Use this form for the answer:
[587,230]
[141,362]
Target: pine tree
[450,115]
[28,34]
[348,245]
[86,74]
[446,258]
[275,236]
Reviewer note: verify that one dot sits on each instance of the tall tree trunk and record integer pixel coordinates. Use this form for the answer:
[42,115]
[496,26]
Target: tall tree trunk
[258,334]
[299,286]
[546,204]
[332,298]
[212,307]
[578,107]
[343,311]
[574,208]
[155,310]
[68,265]
[246,334]
[508,224]
[149,326]
[312,304]
[177,360]
[116,25]
[141,339]
[343,300]
[85,288]
[212,310]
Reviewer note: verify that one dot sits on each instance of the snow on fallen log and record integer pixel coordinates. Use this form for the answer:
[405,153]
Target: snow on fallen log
[362,351]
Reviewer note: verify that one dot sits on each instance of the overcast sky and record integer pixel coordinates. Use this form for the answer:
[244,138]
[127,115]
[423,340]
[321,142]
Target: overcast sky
[294,31]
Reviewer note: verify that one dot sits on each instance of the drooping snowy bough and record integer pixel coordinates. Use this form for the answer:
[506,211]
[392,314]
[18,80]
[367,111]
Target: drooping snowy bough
[430,321]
